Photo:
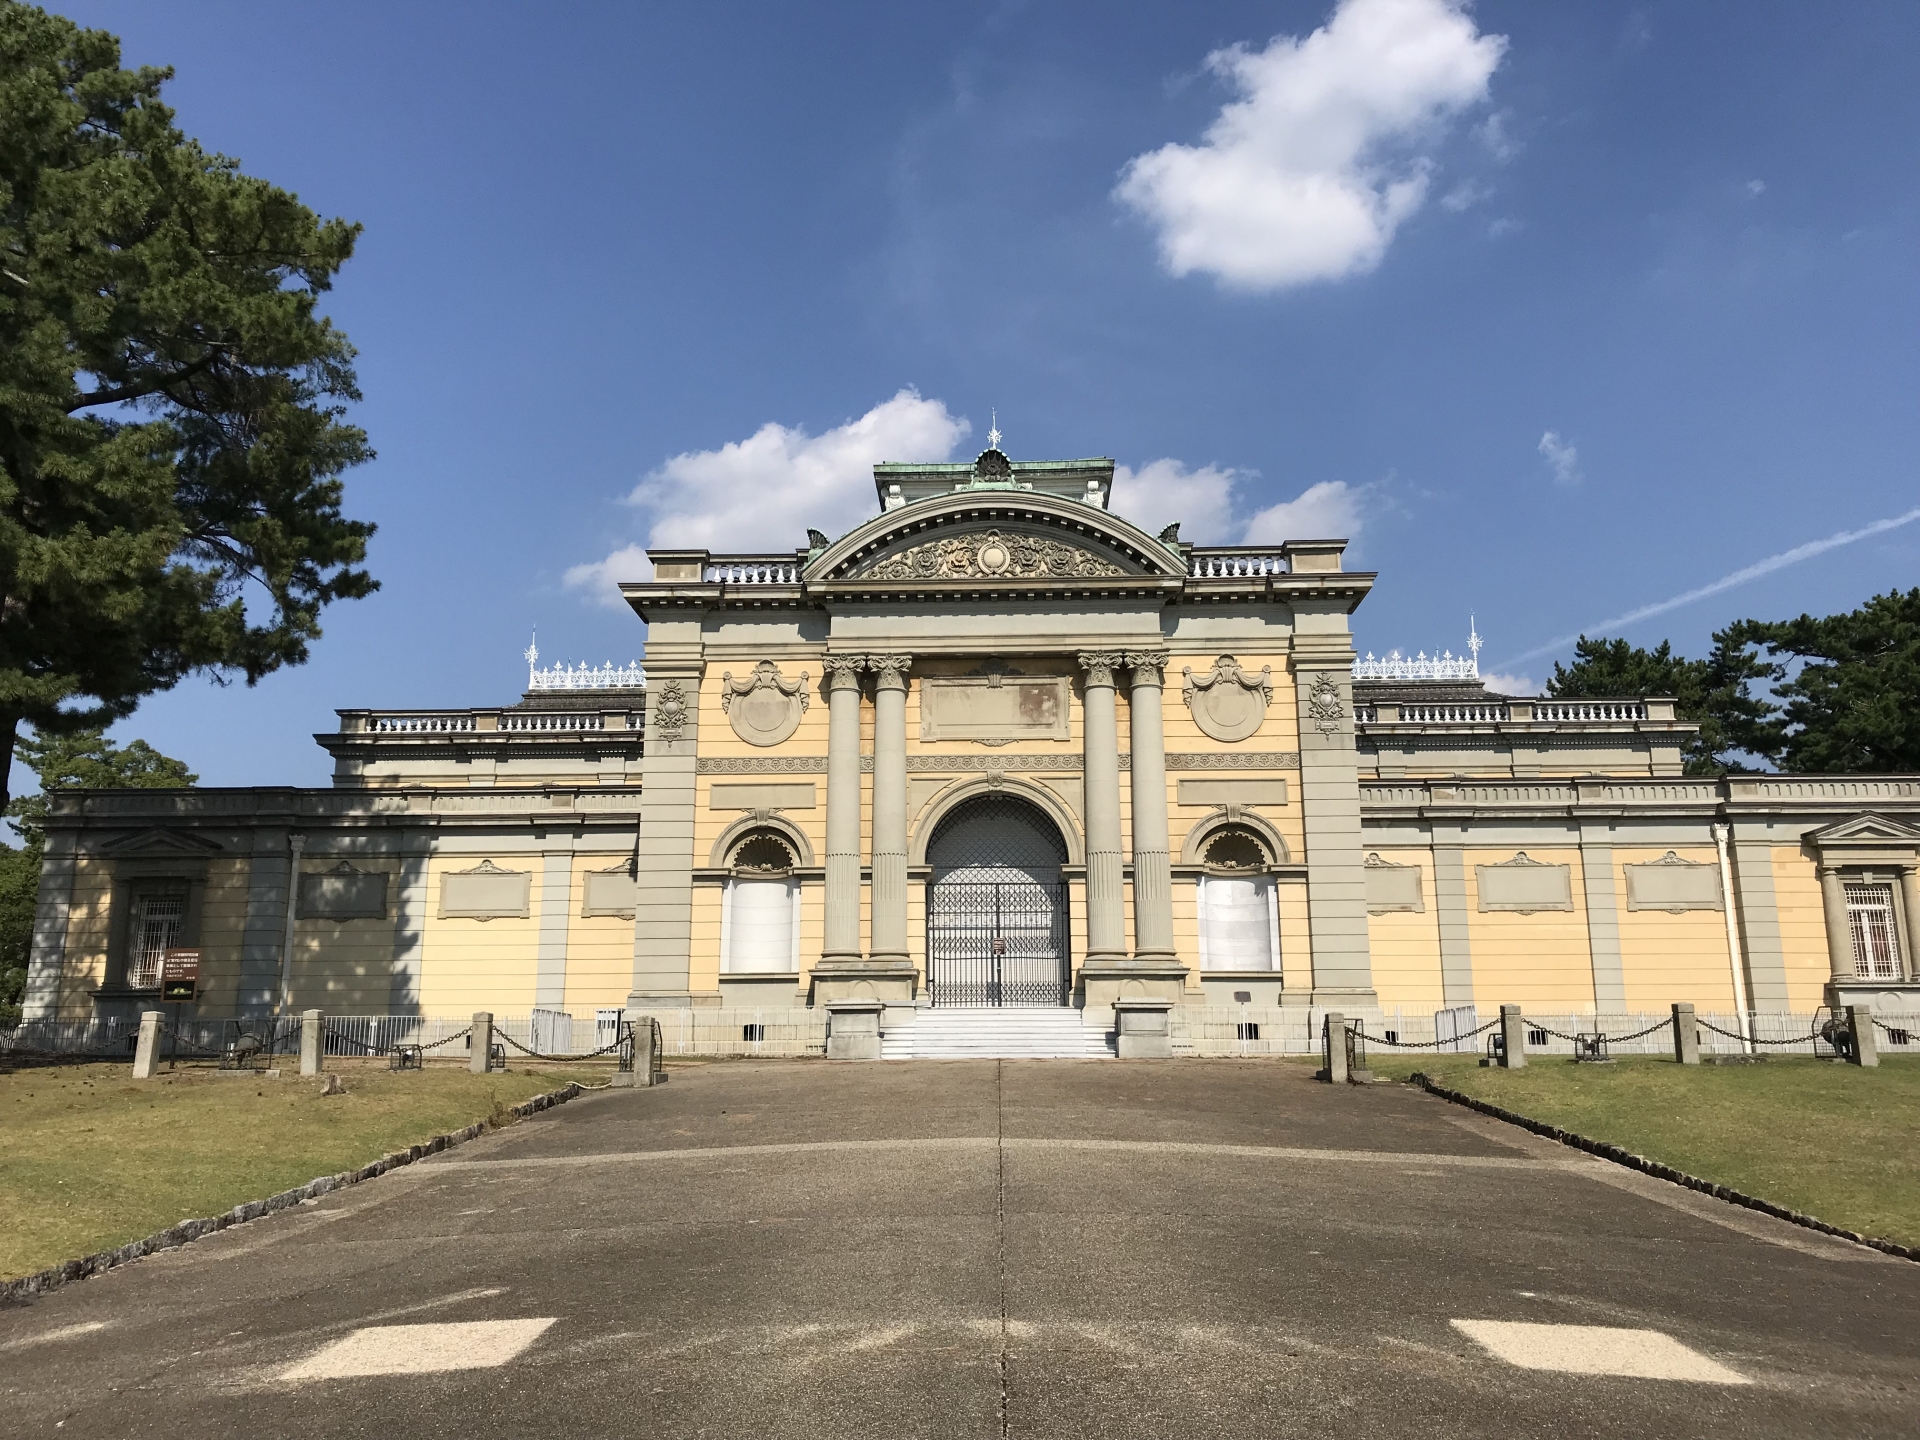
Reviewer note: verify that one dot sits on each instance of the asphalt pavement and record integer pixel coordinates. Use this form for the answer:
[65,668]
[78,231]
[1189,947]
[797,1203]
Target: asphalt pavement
[981,1248]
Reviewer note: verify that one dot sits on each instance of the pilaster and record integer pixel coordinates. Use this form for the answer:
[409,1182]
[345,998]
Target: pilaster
[1759,920]
[663,882]
[1603,919]
[1450,911]
[52,912]
[556,907]
[1330,810]
[410,923]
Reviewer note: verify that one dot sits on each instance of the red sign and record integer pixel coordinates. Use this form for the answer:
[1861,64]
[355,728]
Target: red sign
[179,974]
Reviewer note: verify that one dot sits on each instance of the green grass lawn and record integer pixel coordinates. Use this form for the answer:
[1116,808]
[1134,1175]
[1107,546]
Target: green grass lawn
[90,1158]
[1836,1142]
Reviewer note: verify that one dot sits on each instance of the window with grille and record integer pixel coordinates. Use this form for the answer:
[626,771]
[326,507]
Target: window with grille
[1876,944]
[157,920]
[760,912]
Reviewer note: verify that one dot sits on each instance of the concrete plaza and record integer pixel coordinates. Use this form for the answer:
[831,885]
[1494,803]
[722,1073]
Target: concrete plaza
[987,1248]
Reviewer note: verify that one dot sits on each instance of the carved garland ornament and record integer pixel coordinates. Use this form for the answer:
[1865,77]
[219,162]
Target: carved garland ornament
[1227,703]
[1325,705]
[763,709]
[993,556]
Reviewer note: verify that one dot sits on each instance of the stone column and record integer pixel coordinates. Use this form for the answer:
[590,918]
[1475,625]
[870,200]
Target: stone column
[888,942]
[480,1043]
[1910,893]
[842,940]
[1152,867]
[1833,898]
[1513,1038]
[1106,900]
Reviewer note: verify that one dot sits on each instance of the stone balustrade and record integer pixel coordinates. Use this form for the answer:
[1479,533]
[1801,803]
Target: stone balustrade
[747,571]
[1235,564]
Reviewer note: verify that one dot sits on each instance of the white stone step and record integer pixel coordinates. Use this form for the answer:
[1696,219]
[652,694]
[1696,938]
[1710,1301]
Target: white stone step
[989,1033]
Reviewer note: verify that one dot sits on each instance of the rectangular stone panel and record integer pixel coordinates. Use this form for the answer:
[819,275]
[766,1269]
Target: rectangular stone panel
[764,795]
[994,707]
[1393,887]
[342,893]
[1673,884]
[486,893]
[610,892]
[1525,885]
[1232,792]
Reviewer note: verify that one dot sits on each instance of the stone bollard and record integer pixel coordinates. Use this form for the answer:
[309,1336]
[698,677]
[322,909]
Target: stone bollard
[1144,1030]
[1866,1047]
[480,1043]
[853,1029]
[1513,1038]
[1335,1036]
[313,1054]
[1686,1035]
[146,1055]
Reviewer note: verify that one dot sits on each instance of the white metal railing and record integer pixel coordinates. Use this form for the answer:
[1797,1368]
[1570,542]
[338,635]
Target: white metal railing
[588,677]
[534,720]
[753,572]
[1589,710]
[1395,666]
[1202,566]
[421,724]
[1454,714]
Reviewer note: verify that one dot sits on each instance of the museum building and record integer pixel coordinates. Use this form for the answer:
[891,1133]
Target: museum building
[996,749]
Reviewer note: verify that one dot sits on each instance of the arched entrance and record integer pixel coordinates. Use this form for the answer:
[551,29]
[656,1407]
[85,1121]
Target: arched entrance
[996,906]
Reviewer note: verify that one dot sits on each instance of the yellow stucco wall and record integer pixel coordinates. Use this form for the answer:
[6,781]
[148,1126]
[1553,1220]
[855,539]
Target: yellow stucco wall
[1541,959]
[345,967]
[1406,944]
[1665,957]
[1803,927]
[599,950]
[469,965]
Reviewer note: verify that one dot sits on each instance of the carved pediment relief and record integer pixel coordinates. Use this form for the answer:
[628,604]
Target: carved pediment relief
[763,709]
[992,555]
[1227,703]
[160,845]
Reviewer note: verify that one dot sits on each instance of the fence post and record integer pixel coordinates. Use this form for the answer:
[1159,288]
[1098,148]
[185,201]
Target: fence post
[1513,1038]
[1335,1044]
[1866,1048]
[480,1043]
[312,1052]
[146,1054]
[1686,1035]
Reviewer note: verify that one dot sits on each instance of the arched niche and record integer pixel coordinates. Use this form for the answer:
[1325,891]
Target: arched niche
[962,791]
[721,856]
[1194,852]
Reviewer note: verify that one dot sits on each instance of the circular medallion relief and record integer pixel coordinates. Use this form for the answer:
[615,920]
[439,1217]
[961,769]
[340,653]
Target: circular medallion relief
[1227,703]
[764,709]
[994,556]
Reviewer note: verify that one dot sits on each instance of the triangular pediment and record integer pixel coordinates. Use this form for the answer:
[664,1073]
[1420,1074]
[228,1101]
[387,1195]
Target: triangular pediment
[988,537]
[159,843]
[1868,829]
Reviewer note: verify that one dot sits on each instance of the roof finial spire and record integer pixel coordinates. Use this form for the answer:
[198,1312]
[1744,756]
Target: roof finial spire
[1473,643]
[531,654]
[993,434]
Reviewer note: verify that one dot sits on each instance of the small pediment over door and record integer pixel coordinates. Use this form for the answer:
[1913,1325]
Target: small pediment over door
[158,844]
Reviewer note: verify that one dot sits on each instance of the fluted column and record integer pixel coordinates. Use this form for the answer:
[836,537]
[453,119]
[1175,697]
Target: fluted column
[1106,903]
[889,925]
[1833,899]
[1152,867]
[842,938]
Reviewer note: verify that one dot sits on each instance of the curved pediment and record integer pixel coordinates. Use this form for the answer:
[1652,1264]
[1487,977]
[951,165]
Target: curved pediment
[971,537]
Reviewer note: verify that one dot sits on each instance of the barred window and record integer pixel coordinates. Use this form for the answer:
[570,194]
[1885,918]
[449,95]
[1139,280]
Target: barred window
[1876,943]
[156,929]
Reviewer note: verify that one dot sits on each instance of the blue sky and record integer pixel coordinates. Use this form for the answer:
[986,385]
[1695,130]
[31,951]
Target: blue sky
[1562,309]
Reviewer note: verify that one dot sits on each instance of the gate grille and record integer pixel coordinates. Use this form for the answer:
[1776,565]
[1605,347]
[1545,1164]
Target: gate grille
[996,907]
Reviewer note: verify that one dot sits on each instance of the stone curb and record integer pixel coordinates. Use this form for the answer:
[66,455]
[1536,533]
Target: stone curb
[1620,1156]
[13,1292]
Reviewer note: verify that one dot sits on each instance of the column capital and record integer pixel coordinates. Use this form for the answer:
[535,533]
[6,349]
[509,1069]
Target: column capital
[1149,667]
[843,671]
[890,671]
[1100,665]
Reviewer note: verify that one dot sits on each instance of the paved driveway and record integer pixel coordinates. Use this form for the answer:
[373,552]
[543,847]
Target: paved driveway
[987,1248]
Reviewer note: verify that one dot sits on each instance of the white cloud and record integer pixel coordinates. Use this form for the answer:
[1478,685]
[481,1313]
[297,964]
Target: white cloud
[1307,174]
[1510,684]
[1562,456]
[1330,510]
[1756,187]
[1163,492]
[762,493]
[1465,196]
[1492,133]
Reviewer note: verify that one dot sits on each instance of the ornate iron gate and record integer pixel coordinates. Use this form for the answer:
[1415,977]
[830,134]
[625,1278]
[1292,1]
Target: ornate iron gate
[996,907]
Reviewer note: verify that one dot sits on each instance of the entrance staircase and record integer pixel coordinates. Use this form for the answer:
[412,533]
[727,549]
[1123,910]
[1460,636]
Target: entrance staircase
[994,1033]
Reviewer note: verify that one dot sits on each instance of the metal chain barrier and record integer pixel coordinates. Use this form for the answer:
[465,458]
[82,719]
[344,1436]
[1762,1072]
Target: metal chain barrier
[180,1039]
[1807,1039]
[1610,1039]
[590,1054]
[448,1041]
[1423,1044]
[361,1045]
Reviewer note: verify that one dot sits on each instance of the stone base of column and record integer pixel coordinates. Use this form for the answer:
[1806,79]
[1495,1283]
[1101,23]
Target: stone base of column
[1102,982]
[887,980]
[1142,1028]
